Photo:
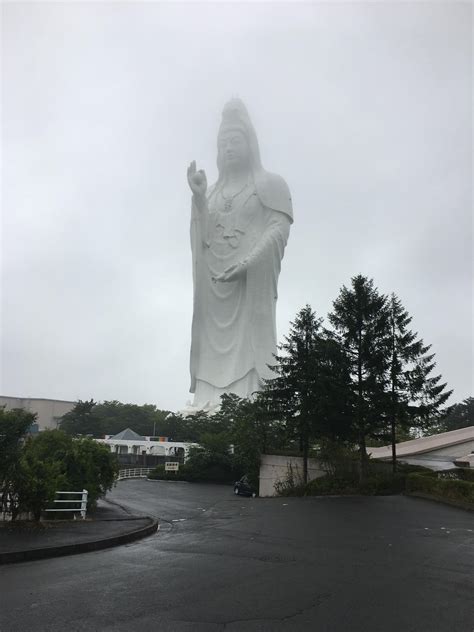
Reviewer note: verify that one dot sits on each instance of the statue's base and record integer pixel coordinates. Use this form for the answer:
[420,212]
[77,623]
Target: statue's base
[190,410]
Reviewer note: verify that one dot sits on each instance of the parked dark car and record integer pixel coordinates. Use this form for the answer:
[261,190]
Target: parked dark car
[244,488]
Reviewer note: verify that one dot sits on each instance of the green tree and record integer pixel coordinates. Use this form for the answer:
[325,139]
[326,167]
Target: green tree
[361,320]
[460,415]
[310,390]
[111,417]
[211,460]
[199,424]
[115,416]
[43,470]
[246,431]
[414,396]
[53,461]
[14,425]
[90,465]
[81,420]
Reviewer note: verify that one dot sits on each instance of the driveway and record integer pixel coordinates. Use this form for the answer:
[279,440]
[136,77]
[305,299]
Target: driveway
[221,562]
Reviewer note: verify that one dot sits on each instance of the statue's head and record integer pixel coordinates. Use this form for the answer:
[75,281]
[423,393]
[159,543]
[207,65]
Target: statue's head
[233,148]
[237,145]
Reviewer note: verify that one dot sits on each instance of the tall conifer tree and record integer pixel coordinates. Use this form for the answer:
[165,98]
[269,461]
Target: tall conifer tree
[414,396]
[360,318]
[310,390]
[460,415]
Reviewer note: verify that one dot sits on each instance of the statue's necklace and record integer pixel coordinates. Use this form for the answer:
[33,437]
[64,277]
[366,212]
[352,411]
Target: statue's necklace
[228,201]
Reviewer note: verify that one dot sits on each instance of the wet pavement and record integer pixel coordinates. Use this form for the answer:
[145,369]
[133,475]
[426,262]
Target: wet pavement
[219,562]
[109,521]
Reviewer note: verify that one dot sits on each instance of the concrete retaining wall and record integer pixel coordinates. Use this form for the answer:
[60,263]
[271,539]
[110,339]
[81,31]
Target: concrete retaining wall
[275,468]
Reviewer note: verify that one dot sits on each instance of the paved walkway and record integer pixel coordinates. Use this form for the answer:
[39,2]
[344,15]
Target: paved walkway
[110,525]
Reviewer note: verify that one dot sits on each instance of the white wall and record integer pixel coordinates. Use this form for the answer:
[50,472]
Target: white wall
[158,448]
[275,468]
[49,411]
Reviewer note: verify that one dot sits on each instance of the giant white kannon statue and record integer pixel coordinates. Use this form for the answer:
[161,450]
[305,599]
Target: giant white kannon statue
[239,230]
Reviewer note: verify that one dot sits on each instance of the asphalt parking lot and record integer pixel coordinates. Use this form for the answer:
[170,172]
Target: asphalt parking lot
[220,562]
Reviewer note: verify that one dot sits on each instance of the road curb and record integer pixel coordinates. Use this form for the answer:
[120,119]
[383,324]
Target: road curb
[164,480]
[10,557]
[439,499]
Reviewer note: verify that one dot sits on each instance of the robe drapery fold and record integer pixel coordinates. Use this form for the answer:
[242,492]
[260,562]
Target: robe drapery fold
[233,330]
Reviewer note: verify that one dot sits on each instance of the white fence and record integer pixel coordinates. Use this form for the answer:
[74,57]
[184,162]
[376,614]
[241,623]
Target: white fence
[82,502]
[137,472]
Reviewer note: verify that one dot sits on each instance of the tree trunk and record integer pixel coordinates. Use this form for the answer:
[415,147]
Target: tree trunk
[362,458]
[393,411]
[394,446]
[362,447]
[305,460]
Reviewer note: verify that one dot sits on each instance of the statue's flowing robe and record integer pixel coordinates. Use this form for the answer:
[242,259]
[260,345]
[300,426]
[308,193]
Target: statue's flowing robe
[233,330]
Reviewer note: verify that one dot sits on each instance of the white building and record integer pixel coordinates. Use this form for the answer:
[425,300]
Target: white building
[129,442]
[49,411]
[437,452]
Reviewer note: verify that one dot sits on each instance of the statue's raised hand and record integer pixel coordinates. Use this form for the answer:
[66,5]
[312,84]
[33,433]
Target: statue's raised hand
[197,181]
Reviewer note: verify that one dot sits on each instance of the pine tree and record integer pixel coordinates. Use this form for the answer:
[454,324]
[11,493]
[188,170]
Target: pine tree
[81,419]
[308,392]
[414,397]
[459,415]
[361,320]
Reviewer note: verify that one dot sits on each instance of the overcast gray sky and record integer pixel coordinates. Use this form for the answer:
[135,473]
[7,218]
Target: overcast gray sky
[364,109]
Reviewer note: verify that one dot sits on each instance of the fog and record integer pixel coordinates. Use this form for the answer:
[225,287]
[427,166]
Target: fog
[364,109]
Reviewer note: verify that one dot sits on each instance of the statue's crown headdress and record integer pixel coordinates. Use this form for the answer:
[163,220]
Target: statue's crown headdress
[234,111]
[236,117]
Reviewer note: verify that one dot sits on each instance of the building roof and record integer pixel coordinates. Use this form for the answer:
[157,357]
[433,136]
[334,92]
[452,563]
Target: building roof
[38,399]
[425,444]
[127,435]
[437,464]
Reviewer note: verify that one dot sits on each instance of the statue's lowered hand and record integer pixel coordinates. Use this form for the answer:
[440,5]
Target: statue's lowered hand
[232,273]
[197,180]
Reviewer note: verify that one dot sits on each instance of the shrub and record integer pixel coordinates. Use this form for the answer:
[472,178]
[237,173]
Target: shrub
[376,484]
[383,484]
[338,460]
[37,482]
[210,467]
[292,484]
[90,465]
[160,474]
[466,474]
[14,425]
[327,485]
[450,489]
[53,461]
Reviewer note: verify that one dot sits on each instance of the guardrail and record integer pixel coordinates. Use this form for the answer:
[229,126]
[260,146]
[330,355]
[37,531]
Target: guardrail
[82,501]
[137,472]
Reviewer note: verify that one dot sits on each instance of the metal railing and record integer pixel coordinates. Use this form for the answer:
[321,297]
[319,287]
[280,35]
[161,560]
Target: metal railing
[82,502]
[136,472]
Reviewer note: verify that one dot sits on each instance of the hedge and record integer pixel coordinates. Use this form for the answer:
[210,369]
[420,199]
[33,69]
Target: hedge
[373,485]
[466,474]
[160,474]
[450,489]
[196,472]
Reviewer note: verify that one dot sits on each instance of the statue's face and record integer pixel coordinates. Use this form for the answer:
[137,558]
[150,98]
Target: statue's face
[234,149]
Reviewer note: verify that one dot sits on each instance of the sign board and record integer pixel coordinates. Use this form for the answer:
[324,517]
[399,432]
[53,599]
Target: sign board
[171,466]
